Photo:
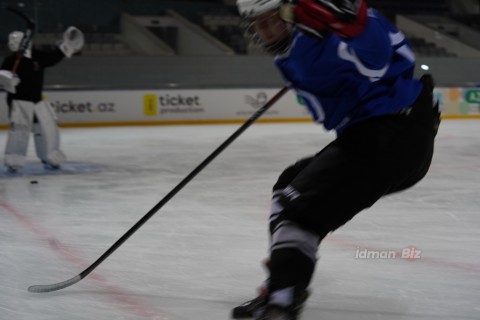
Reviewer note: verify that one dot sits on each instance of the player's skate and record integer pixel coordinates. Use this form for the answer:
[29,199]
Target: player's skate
[49,166]
[260,309]
[14,162]
[251,309]
[12,169]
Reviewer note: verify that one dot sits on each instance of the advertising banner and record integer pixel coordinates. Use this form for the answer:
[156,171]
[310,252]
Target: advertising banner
[167,106]
[459,102]
[191,106]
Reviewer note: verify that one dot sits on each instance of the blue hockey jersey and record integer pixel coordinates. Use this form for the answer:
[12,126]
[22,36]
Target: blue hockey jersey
[345,81]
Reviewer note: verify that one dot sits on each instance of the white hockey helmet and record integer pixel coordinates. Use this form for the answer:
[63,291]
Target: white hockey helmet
[253,13]
[14,40]
[253,8]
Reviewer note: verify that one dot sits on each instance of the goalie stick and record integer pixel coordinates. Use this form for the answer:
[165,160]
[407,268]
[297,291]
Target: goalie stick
[161,203]
[27,37]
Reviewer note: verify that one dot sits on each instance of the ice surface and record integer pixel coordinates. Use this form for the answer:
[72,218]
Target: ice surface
[200,255]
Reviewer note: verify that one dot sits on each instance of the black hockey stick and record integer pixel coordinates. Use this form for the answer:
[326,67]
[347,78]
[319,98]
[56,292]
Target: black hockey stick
[173,192]
[27,37]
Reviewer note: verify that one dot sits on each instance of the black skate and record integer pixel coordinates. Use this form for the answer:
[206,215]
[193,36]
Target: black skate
[259,309]
[12,170]
[251,309]
[49,166]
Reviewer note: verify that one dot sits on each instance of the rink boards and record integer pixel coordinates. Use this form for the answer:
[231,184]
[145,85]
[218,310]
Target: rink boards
[197,106]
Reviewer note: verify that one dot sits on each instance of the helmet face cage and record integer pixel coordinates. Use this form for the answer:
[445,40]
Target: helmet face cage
[14,40]
[250,10]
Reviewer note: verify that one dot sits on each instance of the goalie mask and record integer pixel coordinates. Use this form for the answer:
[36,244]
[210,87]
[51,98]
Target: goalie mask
[263,25]
[14,41]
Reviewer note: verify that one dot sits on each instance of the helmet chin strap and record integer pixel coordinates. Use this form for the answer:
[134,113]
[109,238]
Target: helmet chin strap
[280,46]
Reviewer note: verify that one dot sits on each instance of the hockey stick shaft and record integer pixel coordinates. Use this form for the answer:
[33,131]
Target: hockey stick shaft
[161,203]
[27,37]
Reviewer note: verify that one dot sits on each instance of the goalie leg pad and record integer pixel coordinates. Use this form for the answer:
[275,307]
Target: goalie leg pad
[47,136]
[21,118]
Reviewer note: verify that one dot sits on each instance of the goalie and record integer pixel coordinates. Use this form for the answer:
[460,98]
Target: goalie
[22,76]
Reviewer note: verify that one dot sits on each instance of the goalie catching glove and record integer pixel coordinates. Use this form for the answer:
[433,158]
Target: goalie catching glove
[345,18]
[72,42]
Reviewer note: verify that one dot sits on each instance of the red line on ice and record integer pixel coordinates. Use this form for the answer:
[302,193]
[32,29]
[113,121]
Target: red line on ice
[126,301]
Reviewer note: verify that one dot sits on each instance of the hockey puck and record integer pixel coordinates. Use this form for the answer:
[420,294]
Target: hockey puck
[33,182]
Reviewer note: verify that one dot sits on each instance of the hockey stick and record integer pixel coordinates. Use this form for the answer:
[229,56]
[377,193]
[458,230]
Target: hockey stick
[27,37]
[173,192]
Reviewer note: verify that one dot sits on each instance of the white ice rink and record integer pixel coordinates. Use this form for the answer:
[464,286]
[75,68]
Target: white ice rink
[200,255]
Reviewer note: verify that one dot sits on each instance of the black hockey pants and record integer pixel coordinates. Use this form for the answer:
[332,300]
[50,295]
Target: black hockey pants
[369,160]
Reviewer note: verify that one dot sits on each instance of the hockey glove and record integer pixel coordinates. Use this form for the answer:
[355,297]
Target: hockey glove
[72,41]
[345,18]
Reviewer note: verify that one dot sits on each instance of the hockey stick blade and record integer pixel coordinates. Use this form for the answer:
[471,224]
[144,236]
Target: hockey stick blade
[161,203]
[55,286]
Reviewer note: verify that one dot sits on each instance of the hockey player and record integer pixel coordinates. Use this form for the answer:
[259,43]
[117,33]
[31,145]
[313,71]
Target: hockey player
[22,77]
[354,72]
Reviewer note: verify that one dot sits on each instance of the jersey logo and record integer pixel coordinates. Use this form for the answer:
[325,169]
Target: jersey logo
[345,54]
[313,105]
[403,50]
